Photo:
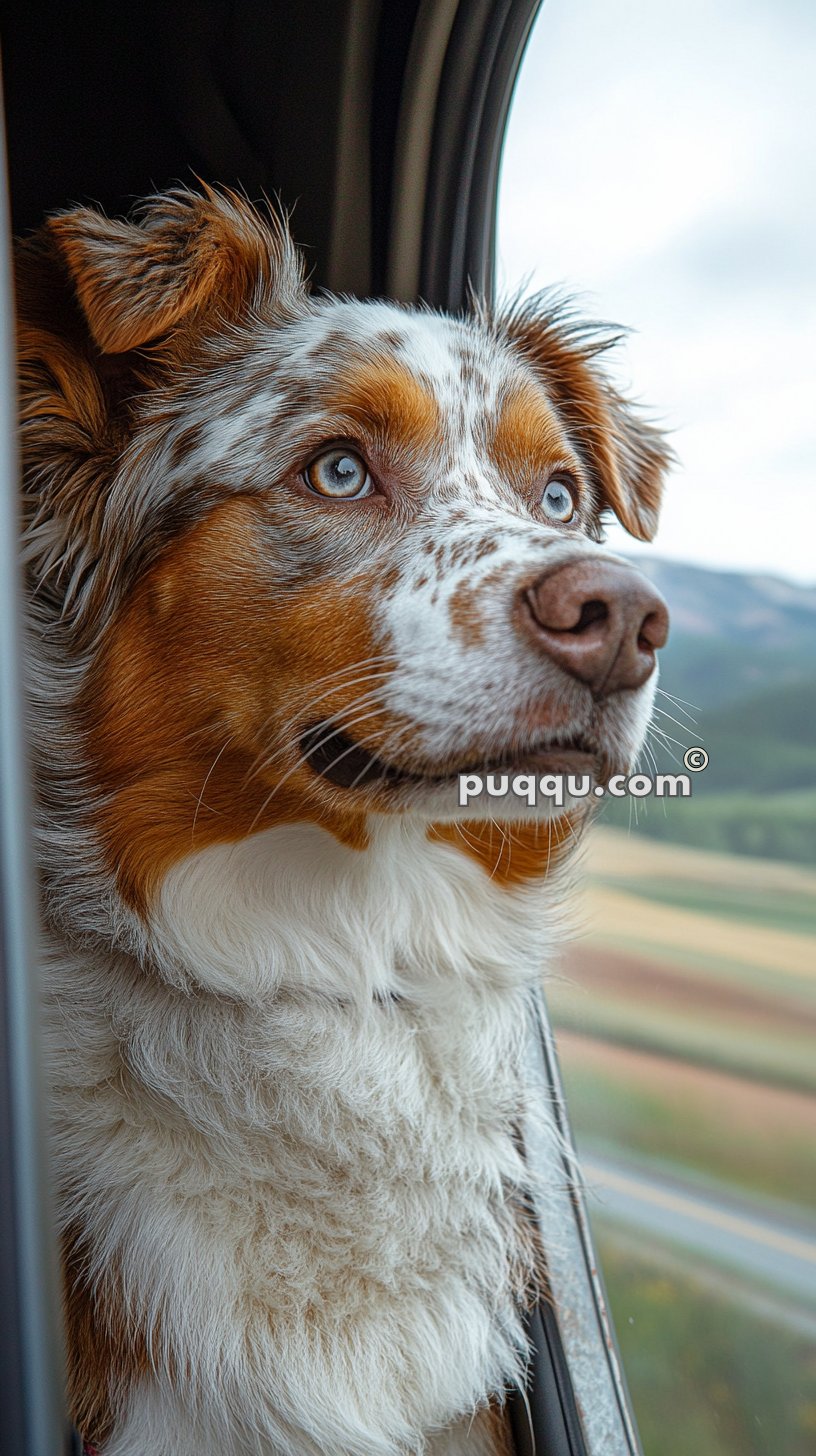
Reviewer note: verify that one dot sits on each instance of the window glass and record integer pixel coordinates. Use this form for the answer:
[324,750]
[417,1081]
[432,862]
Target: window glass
[660,164]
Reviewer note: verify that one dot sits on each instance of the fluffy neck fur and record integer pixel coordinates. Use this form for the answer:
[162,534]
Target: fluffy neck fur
[286,1129]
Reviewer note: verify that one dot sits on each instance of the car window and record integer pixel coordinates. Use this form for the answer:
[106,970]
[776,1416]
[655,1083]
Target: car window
[655,164]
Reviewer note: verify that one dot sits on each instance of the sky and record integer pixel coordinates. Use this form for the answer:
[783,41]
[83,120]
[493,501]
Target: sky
[660,162]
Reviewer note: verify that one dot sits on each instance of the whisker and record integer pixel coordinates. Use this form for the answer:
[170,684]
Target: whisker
[691,720]
[264,760]
[299,763]
[200,798]
[650,757]
[360,743]
[665,735]
[335,680]
[572,831]
[685,726]
[338,680]
[663,742]
[680,702]
[504,839]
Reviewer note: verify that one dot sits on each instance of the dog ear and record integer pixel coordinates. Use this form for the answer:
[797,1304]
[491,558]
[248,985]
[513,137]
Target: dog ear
[626,457]
[184,256]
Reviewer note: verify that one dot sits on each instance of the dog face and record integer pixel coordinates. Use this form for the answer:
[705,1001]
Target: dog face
[318,556]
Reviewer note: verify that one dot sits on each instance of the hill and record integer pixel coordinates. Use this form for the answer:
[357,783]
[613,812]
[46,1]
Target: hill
[738,676]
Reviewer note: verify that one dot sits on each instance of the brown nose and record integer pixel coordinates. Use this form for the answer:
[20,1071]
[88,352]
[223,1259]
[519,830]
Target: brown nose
[601,621]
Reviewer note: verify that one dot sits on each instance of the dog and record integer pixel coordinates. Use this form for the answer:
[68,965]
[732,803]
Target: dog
[295,562]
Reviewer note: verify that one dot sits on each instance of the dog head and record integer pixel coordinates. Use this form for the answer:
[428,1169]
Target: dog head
[315,557]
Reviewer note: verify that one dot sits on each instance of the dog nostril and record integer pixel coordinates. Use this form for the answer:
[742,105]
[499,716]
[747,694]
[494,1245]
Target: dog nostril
[599,621]
[654,629]
[591,612]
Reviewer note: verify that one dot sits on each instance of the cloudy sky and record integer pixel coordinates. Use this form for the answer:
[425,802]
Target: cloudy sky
[661,162]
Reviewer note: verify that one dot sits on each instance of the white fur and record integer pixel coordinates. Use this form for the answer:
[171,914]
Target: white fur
[302,1160]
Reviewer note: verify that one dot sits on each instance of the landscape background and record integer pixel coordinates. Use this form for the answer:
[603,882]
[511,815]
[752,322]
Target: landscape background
[740,672]
[685,1015]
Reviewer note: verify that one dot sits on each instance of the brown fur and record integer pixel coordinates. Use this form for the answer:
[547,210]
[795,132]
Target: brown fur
[626,457]
[493,1421]
[465,613]
[385,400]
[178,770]
[192,255]
[511,854]
[527,438]
[107,1354]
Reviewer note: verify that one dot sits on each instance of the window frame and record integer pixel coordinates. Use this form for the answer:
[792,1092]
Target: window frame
[31,1366]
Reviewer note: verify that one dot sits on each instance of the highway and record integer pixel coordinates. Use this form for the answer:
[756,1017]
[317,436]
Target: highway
[742,1240]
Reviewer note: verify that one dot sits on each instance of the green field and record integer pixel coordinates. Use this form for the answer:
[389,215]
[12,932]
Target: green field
[755,708]
[777,826]
[707,1126]
[777,908]
[686,1024]
[709,959]
[707,1376]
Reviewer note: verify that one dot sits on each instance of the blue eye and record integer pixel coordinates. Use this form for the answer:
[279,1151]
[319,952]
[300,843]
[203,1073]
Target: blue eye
[340,474]
[558,500]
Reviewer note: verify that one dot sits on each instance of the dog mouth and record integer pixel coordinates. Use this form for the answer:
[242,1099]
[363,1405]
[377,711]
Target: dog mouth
[349,765]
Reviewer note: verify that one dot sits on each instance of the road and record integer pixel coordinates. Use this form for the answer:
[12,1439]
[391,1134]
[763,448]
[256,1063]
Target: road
[742,1240]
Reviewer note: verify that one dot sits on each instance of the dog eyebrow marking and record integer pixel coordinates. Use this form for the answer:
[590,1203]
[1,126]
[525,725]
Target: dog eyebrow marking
[384,397]
[528,435]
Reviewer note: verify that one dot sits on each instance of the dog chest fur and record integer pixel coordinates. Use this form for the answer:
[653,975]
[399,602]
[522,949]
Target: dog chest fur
[310,1198]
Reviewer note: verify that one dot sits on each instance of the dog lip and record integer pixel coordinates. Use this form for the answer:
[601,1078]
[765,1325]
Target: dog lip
[553,760]
[337,757]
